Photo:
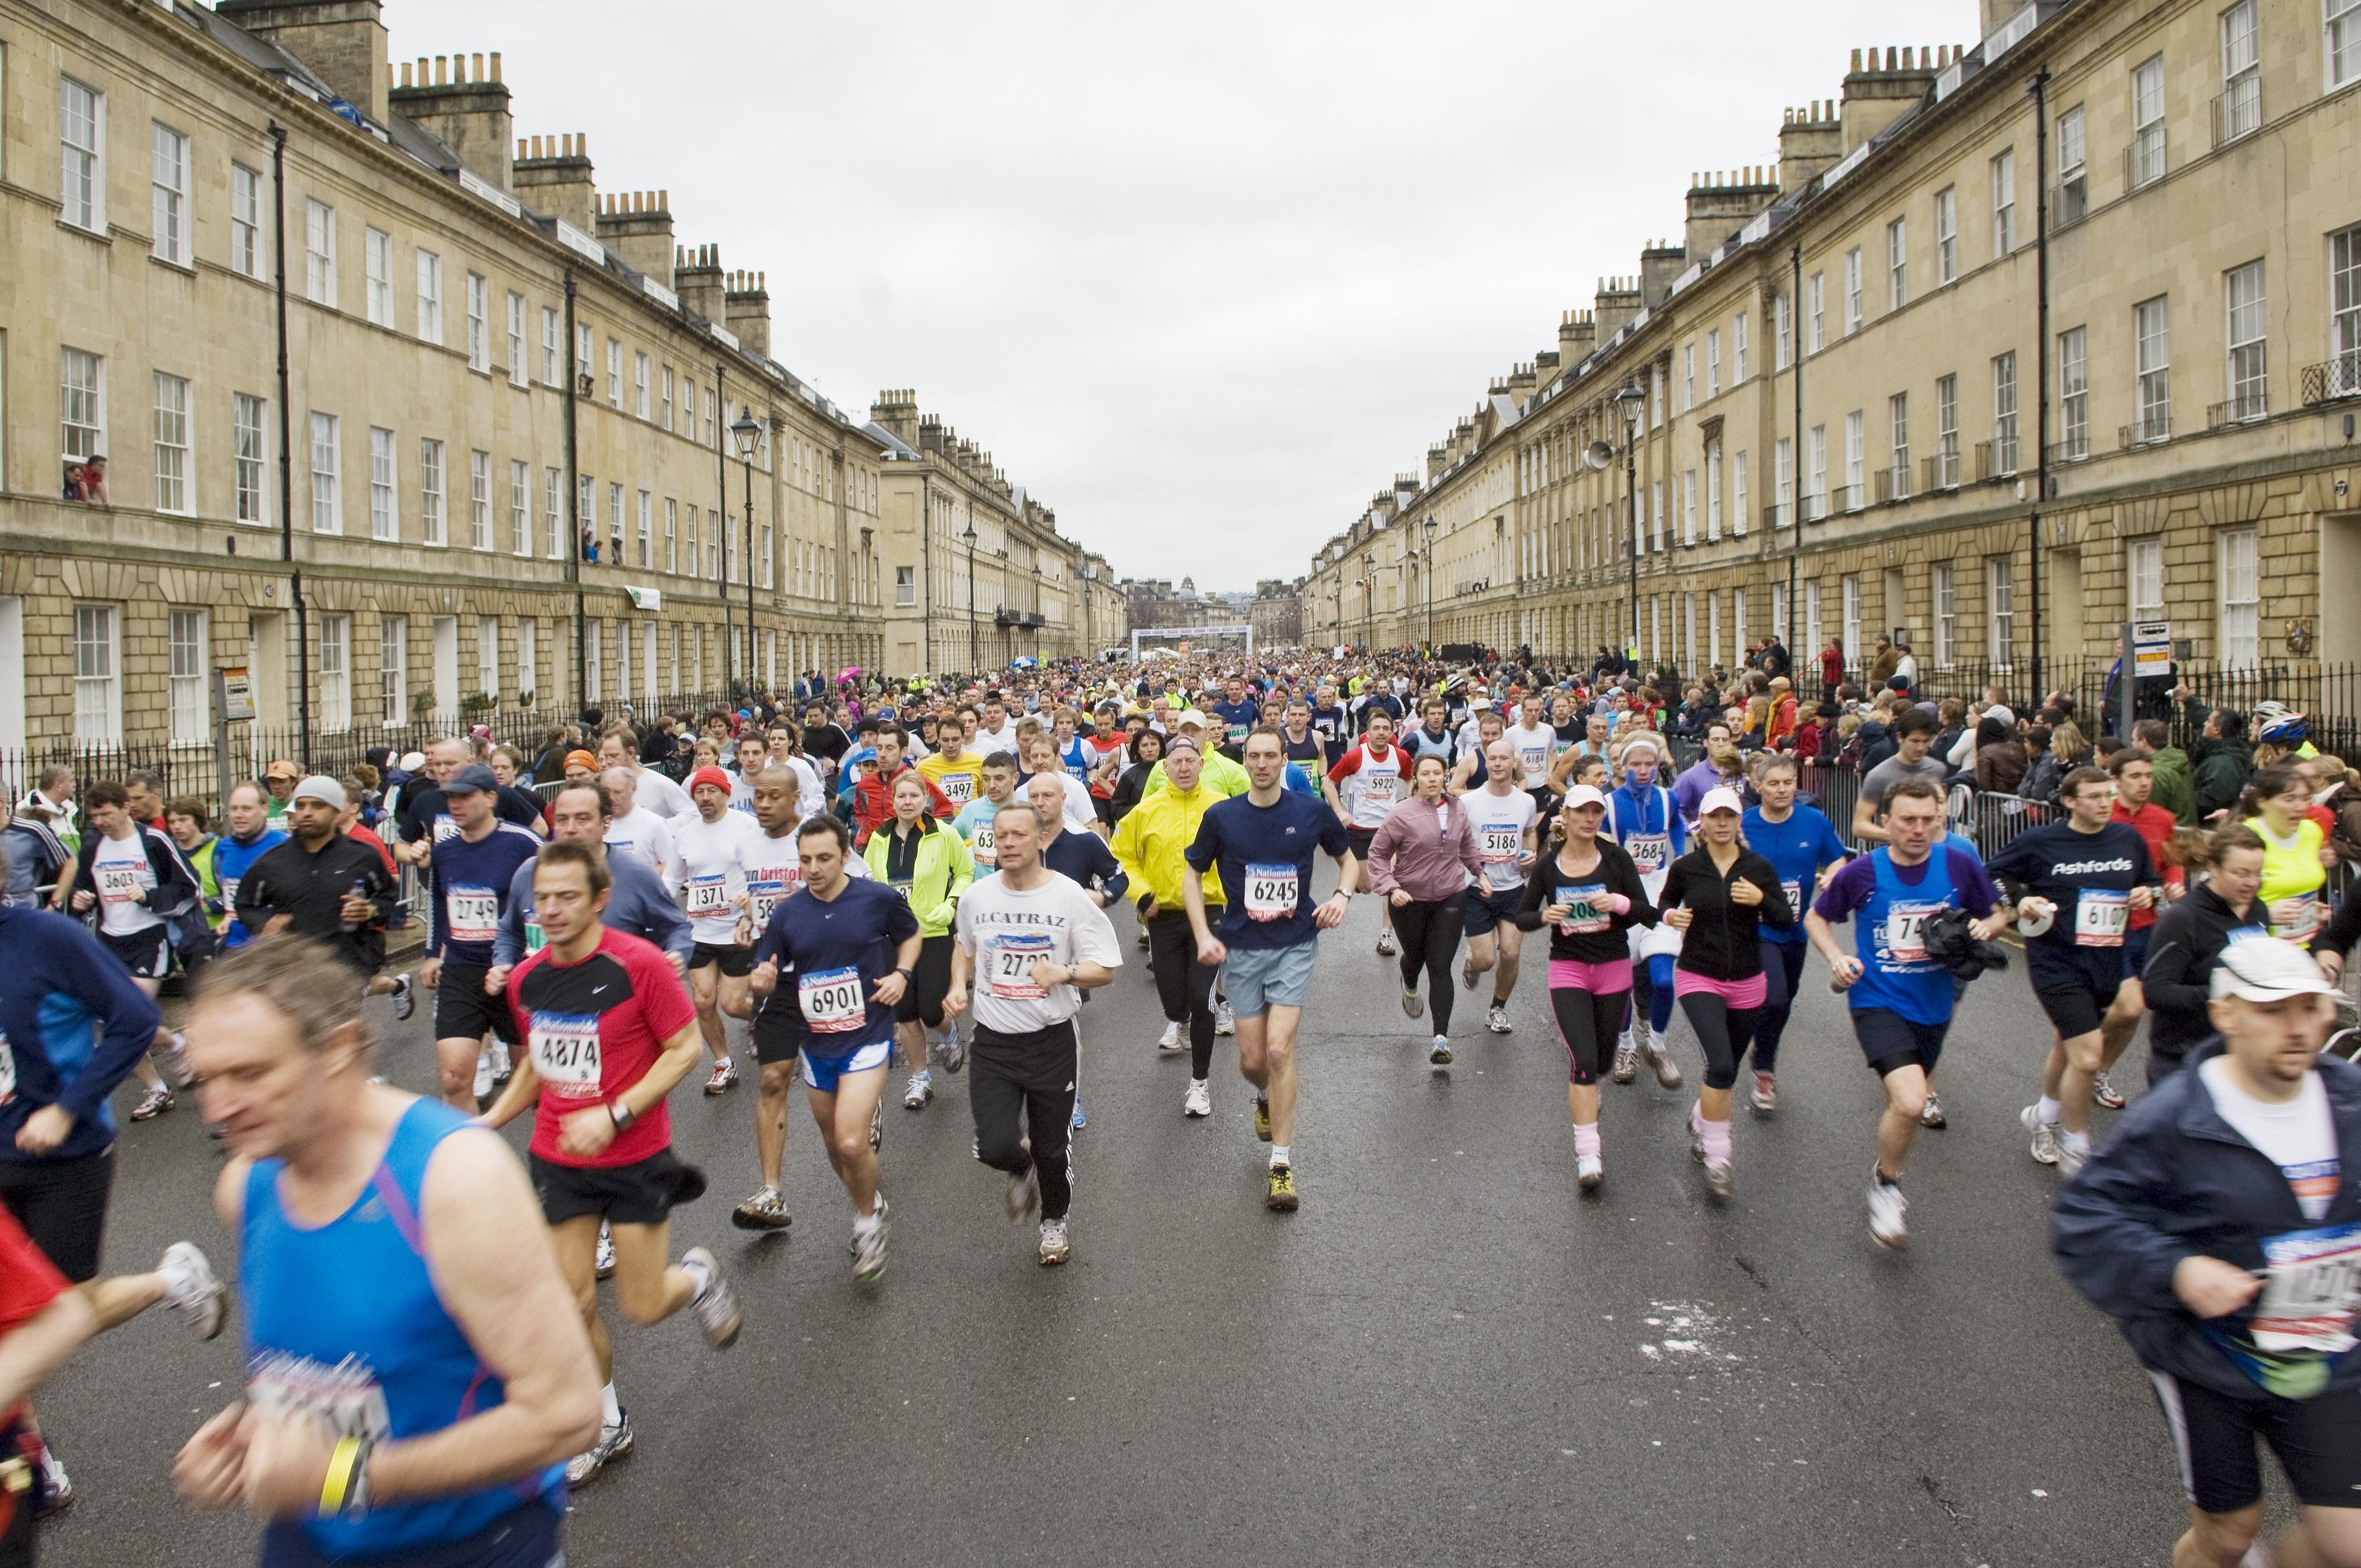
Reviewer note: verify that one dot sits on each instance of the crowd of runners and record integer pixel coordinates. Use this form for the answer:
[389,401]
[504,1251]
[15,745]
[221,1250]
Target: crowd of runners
[867,877]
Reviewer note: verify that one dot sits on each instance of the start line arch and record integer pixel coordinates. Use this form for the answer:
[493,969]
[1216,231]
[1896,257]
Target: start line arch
[1186,635]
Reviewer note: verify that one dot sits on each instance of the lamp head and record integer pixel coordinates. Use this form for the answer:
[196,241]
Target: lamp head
[1629,399]
[746,432]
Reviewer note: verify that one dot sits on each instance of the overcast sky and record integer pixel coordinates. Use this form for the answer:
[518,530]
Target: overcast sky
[1201,278]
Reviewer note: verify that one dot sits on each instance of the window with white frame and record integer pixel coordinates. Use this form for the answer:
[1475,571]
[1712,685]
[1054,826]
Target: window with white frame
[2073,174]
[1812,638]
[1737,513]
[2344,374]
[2144,575]
[244,221]
[1656,396]
[2341,41]
[172,444]
[320,253]
[2152,370]
[1713,363]
[430,296]
[1782,479]
[1897,424]
[553,510]
[385,517]
[2241,109]
[517,371]
[763,553]
[639,385]
[1849,610]
[2003,195]
[480,499]
[1688,379]
[1660,518]
[1947,432]
[1947,234]
[1852,316]
[431,490]
[520,508]
[168,182]
[1816,490]
[585,364]
[81,148]
[377,267]
[250,454]
[488,655]
[1688,506]
[81,403]
[2249,356]
[672,534]
[327,489]
[188,663]
[2242,598]
[1946,611]
[593,675]
[528,652]
[2003,368]
[553,349]
[1736,359]
[1713,488]
[906,585]
[712,436]
[645,554]
[98,681]
[1856,459]
[1783,331]
[622,661]
[1817,314]
[2148,122]
[480,323]
[335,671]
[2000,610]
[615,524]
[393,667]
[667,397]
[614,374]
[2074,393]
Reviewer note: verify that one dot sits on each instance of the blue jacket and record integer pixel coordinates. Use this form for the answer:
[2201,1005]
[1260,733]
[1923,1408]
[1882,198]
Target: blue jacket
[2173,1180]
[637,904]
[232,861]
[57,980]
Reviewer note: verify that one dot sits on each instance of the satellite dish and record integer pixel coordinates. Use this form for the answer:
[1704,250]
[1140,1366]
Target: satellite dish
[1598,456]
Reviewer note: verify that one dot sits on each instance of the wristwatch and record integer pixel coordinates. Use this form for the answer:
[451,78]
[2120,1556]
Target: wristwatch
[621,1114]
[907,974]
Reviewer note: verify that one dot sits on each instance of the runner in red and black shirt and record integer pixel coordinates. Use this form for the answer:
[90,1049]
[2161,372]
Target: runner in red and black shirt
[609,1030]
[42,1320]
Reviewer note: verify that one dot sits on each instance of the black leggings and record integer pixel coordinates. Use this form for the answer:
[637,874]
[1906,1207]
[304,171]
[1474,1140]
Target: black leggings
[1783,973]
[1429,935]
[1587,1024]
[1184,985]
[1723,1031]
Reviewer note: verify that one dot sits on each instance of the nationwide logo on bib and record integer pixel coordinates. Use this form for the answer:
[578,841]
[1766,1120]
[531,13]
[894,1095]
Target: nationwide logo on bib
[566,1052]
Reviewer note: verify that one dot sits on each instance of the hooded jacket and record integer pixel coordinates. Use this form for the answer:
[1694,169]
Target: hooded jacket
[2221,770]
[2184,947]
[2176,788]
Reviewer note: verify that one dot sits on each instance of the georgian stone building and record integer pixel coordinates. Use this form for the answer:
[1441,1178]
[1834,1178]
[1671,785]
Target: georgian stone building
[1994,367]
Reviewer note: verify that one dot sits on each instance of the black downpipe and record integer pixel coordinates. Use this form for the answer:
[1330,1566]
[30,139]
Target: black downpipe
[720,533]
[2040,85]
[286,454]
[1796,462]
[573,502]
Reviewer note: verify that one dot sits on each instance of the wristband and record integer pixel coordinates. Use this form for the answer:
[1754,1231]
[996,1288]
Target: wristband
[335,1487]
[907,974]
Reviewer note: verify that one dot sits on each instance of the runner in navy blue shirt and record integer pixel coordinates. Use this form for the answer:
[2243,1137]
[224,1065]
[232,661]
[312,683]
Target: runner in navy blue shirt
[469,874]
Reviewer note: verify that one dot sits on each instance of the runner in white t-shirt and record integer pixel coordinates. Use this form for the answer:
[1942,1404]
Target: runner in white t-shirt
[634,830]
[1364,787]
[1534,740]
[1507,831]
[714,847]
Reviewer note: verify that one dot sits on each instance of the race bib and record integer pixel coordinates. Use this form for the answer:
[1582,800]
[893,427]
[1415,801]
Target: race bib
[1536,760]
[1238,734]
[831,1000]
[1795,892]
[229,893]
[2305,927]
[1381,787]
[1272,892]
[474,913]
[765,895]
[2312,1289]
[1500,843]
[1012,965]
[1906,932]
[2100,917]
[7,1071]
[343,1400]
[117,883]
[1587,911]
[709,895]
[1650,852]
[958,788]
[984,855]
[566,1052]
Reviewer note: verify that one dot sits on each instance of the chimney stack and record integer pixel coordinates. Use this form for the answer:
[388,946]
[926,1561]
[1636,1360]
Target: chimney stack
[1879,86]
[552,174]
[1577,333]
[896,410]
[696,278]
[468,112]
[637,227]
[343,40]
[748,301]
[1721,204]
[1659,264]
[1811,142]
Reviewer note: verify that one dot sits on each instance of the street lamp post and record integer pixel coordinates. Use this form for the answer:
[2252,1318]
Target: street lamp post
[1036,609]
[1426,569]
[975,657]
[1370,599]
[1630,399]
[748,434]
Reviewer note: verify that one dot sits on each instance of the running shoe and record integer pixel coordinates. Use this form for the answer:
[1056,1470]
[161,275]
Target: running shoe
[176,1063]
[1697,1139]
[1413,1004]
[1386,947]
[1660,1061]
[1169,1040]
[1224,1021]
[53,1490]
[2045,1134]
[1589,1170]
[1056,1245]
[1886,1206]
[1765,1097]
[152,1104]
[484,1080]
[1280,1194]
[1717,1179]
[2070,1159]
[1199,1101]
[191,1290]
[1468,976]
[405,998]
[2104,1091]
[717,1308]
[1931,1113]
[1024,1195]
[613,1442]
[1627,1060]
[950,1053]
[725,1077]
[766,1210]
[603,1266]
[1262,1117]
[1143,935]
[502,1069]
[877,1127]
[1079,1121]
[919,1090]
[1439,1054]
[1496,1018]
[869,1247]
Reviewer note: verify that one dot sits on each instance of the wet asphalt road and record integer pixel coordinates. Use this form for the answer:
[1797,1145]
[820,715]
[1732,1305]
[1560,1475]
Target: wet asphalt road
[1447,1356]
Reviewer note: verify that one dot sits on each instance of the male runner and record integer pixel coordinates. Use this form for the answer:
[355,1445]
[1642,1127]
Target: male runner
[1801,845]
[974,821]
[712,850]
[1262,844]
[1507,832]
[656,791]
[1900,998]
[469,876]
[1474,771]
[1237,713]
[637,903]
[610,1032]
[753,752]
[635,831]
[1371,777]
[1105,755]
[2134,770]
[953,769]
[2074,885]
[1433,738]
[1536,744]
[132,880]
[1913,739]
[1028,938]
[846,949]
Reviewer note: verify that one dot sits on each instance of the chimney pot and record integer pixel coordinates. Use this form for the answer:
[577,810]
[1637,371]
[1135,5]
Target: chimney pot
[496,65]
[442,70]
[478,62]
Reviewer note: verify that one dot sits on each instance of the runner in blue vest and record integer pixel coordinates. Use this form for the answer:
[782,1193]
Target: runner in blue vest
[1641,818]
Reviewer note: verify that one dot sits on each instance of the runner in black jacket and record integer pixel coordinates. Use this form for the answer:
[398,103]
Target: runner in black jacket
[2188,940]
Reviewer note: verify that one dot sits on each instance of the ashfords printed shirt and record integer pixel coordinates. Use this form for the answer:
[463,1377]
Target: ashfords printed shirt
[1006,931]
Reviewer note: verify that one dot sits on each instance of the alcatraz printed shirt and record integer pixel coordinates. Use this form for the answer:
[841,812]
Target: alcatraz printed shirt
[1006,932]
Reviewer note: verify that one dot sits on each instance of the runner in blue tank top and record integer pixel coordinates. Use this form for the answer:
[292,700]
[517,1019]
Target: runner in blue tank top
[1901,997]
[416,1372]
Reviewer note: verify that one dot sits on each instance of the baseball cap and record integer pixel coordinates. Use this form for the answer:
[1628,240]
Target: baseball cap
[411,762]
[2265,968]
[282,768]
[473,777]
[1179,741]
[585,758]
[1586,794]
[1720,798]
[324,789]
[709,774]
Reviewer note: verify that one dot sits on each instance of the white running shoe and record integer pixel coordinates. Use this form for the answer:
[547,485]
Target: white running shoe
[2070,1159]
[1765,1097]
[2104,1091]
[869,1247]
[725,1077]
[1627,1059]
[1717,1179]
[1589,1170]
[603,1267]
[1439,1054]
[1056,1247]
[919,1090]
[2045,1134]
[1886,1206]
[1386,947]
[1496,1019]
[483,1077]
[1661,1062]
[1199,1101]
[191,1290]
[1170,1039]
[1931,1113]
[502,1069]
[613,1443]
[1224,1021]
[717,1308]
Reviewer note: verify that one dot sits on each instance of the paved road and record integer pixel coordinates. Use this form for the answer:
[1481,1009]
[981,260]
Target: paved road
[1446,1357]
